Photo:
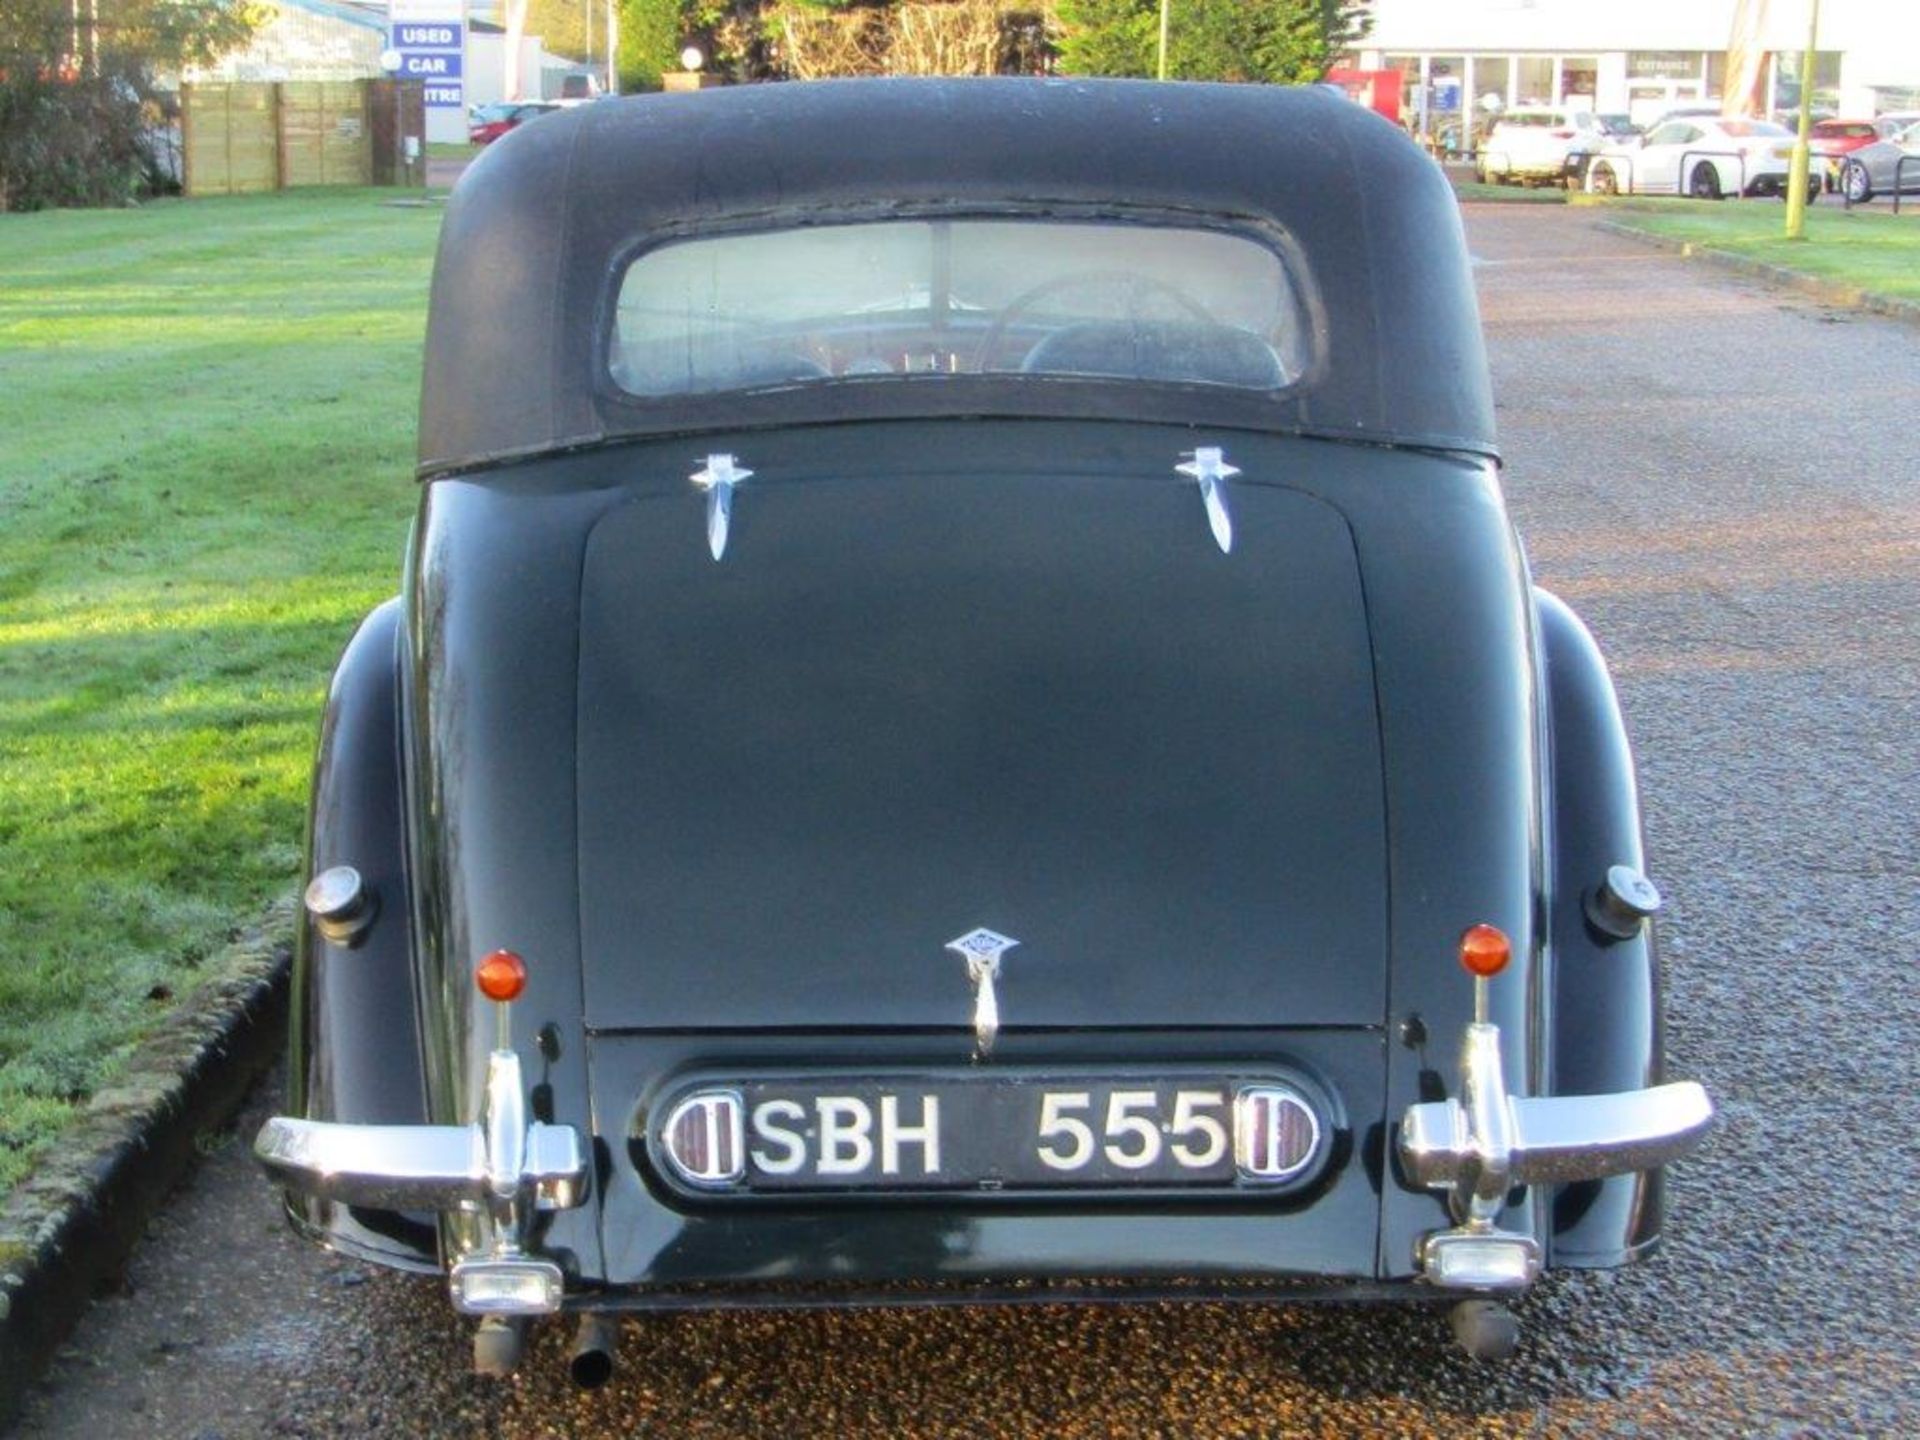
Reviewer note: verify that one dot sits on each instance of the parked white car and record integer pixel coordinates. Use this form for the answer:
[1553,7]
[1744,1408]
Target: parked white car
[1540,143]
[1703,156]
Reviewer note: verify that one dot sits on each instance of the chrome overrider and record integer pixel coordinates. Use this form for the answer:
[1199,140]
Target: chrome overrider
[503,1167]
[1484,1143]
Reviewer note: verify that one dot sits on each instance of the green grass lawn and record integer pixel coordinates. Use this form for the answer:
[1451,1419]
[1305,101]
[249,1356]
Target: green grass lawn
[1867,247]
[206,420]
[1469,190]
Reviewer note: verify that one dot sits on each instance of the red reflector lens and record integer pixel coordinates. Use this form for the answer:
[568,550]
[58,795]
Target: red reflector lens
[705,1140]
[1275,1133]
[501,976]
[1485,950]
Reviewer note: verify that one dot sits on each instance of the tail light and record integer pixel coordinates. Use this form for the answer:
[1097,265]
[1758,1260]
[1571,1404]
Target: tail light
[1275,1133]
[1561,134]
[704,1139]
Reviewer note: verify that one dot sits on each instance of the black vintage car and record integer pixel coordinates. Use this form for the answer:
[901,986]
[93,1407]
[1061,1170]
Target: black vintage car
[951,737]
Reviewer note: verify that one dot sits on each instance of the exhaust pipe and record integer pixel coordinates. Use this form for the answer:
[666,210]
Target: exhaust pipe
[498,1343]
[593,1349]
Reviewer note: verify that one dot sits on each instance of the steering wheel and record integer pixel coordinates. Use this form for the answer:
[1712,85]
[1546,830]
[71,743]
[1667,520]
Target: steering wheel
[1138,288]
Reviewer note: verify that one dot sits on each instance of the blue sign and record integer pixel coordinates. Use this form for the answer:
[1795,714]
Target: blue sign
[429,67]
[422,36]
[432,50]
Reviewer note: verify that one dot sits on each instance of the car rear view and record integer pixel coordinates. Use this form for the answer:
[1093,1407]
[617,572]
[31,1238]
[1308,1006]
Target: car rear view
[974,729]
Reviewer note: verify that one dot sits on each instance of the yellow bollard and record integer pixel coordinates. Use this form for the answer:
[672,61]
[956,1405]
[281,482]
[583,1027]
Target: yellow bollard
[1797,172]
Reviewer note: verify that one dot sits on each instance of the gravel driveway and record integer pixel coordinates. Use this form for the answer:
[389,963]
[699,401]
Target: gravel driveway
[1751,561]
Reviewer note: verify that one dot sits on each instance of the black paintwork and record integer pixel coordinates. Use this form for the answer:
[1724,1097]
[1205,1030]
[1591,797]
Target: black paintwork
[355,1040]
[922,695]
[970,670]
[1596,823]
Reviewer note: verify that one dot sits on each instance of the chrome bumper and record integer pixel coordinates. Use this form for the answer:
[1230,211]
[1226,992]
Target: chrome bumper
[419,1167]
[501,1169]
[1483,1144]
[1551,1141]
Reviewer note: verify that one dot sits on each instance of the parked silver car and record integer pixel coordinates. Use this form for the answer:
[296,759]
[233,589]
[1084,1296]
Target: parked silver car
[1876,169]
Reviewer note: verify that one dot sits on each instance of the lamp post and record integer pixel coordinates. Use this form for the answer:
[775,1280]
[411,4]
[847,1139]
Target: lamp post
[1160,70]
[613,49]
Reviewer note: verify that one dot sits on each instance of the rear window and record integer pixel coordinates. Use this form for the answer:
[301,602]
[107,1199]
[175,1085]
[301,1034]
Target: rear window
[923,300]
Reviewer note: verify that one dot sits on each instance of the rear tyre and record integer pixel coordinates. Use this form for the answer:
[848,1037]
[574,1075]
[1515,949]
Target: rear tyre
[1603,181]
[1856,184]
[1704,183]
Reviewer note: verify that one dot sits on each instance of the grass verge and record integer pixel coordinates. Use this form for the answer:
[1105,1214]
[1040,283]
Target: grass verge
[1476,192]
[208,409]
[1871,250]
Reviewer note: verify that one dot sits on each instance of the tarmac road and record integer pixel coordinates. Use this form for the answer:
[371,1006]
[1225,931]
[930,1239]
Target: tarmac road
[1695,463]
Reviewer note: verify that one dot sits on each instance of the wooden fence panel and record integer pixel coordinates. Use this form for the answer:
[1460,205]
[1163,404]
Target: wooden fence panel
[242,137]
[324,136]
[227,138]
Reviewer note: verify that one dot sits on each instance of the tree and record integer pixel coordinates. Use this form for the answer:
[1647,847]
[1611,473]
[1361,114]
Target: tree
[563,27]
[1282,42]
[651,34]
[80,116]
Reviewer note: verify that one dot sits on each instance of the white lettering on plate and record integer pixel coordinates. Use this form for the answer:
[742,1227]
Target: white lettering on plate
[846,1134]
[792,1153]
[893,1135]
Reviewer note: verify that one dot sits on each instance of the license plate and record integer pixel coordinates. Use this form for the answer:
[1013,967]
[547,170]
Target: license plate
[994,1132]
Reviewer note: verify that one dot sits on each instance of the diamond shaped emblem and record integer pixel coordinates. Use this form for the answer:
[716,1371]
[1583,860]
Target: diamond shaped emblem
[982,944]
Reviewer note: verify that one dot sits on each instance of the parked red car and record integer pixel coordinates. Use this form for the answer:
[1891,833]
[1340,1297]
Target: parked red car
[490,122]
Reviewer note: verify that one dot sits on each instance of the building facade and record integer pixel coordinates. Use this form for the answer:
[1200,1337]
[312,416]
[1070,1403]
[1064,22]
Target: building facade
[1468,58]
